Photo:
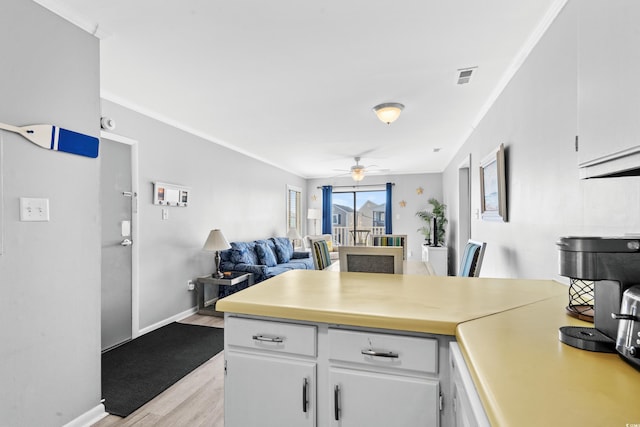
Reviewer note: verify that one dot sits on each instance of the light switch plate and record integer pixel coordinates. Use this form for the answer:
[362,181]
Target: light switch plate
[34,209]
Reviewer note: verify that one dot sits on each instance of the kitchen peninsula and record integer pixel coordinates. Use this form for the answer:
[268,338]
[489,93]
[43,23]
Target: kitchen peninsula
[307,322]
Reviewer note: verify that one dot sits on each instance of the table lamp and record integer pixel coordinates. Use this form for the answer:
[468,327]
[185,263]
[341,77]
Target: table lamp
[216,242]
[315,215]
[293,235]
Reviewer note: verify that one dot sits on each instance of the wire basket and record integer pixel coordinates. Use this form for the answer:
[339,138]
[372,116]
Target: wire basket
[581,299]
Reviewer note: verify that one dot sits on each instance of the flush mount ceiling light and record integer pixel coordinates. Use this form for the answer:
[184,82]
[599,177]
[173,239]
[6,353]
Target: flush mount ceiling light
[388,112]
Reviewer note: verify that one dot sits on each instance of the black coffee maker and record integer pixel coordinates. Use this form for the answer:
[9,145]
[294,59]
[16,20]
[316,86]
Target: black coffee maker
[613,264]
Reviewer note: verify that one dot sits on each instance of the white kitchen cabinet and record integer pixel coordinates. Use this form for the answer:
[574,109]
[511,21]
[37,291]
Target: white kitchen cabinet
[269,391]
[379,379]
[365,398]
[283,373]
[270,373]
[438,257]
[467,407]
[608,98]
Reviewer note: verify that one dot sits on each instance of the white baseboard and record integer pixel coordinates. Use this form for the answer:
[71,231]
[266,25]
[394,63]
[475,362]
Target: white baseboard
[164,322]
[89,418]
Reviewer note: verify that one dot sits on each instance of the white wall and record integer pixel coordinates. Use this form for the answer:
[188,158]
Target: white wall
[243,197]
[49,271]
[405,220]
[535,117]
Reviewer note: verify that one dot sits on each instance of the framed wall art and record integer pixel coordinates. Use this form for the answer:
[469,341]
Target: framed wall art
[493,186]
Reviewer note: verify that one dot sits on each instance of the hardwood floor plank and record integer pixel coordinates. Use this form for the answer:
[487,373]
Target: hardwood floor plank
[197,400]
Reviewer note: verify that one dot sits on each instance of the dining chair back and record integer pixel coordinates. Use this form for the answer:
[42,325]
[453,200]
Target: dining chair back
[320,254]
[472,259]
[371,259]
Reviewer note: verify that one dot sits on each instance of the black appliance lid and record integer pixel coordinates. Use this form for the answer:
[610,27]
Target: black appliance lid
[599,244]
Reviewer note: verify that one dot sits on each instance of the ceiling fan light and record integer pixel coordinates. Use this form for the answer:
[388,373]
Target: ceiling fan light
[357,173]
[388,112]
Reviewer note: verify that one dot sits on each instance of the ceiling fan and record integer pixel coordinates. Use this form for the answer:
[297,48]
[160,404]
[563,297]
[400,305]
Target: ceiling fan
[358,171]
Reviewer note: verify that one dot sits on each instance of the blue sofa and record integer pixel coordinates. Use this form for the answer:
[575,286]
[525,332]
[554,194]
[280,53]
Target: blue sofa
[264,258]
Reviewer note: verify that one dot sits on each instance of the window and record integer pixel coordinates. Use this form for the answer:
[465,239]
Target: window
[293,207]
[358,214]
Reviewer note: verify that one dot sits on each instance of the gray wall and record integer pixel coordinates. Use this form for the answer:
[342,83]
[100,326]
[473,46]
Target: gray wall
[49,271]
[242,196]
[405,220]
[535,117]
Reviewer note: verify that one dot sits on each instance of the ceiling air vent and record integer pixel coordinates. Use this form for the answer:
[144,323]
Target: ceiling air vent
[464,75]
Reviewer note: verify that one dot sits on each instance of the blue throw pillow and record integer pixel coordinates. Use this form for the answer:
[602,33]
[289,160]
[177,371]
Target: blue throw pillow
[282,252]
[243,253]
[239,256]
[265,254]
[286,244]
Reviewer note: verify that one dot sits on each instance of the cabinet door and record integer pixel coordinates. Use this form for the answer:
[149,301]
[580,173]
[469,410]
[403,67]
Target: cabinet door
[361,398]
[462,412]
[467,407]
[608,63]
[269,391]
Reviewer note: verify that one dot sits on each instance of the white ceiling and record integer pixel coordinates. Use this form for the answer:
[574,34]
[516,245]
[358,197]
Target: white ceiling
[293,82]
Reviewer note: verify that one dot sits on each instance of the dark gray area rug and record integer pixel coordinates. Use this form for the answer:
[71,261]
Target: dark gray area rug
[136,372]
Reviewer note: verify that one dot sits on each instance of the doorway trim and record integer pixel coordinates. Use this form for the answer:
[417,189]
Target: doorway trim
[135,229]
[464,207]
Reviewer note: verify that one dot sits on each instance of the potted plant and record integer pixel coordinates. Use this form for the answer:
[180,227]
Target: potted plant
[427,217]
[437,215]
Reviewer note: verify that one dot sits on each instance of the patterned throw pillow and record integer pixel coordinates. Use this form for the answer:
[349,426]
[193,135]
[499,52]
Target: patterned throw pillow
[286,244]
[265,254]
[282,252]
[243,253]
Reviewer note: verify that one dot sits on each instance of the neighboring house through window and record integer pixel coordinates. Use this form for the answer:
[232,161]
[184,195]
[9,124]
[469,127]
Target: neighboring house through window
[358,210]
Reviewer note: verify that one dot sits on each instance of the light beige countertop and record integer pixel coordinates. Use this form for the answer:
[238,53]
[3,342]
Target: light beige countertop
[403,302]
[507,329]
[526,377]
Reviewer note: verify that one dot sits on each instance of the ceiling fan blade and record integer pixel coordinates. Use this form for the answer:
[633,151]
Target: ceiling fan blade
[377,171]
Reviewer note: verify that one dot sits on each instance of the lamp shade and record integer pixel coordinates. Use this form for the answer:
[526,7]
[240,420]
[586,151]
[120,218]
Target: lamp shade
[314,214]
[388,112]
[216,241]
[293,234]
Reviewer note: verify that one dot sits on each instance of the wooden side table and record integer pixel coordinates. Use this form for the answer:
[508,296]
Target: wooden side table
[207,306]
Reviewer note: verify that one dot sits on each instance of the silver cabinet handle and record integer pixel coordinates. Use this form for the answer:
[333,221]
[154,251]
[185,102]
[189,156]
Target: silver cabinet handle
[126,242]
[305,400]
[268,339]
[370,352]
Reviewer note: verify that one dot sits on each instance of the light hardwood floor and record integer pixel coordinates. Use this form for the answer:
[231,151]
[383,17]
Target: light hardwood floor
[195,401]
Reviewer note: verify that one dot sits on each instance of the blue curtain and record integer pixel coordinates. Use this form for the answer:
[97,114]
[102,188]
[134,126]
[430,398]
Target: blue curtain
[388,216]
[327,211]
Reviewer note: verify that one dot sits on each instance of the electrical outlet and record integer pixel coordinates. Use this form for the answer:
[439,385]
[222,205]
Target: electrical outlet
[190,285]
